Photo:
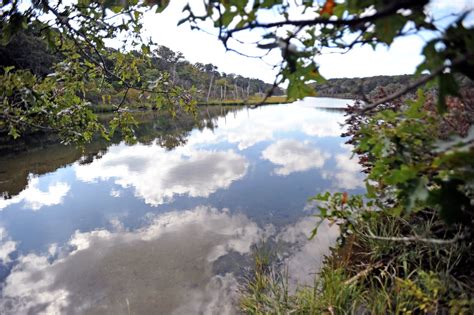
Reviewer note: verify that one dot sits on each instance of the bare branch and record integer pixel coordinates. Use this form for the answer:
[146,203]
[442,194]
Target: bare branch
[415,84]
[390,9]
[415,238]
[363,273]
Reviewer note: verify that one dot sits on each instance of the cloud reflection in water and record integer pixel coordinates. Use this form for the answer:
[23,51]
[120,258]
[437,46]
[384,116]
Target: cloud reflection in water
[348,172]
[164,266]
[35,199]
[172,256]
[247,129]
[294,156]
[158,175]
[7,247]
[304,262]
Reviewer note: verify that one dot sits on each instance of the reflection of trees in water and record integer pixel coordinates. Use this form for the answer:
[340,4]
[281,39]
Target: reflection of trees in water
[41,153]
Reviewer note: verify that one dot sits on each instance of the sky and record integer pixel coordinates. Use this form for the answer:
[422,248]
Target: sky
[198,46]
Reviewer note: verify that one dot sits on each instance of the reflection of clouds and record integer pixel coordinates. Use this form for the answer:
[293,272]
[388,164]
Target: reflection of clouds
[329,128]
[28,289]
[7,247]
[248,138]
[157,175]
[35,199]
[308,259]
[145,270]
[348,172]
[115,193]
[218,297]
[249,127]
[294,156]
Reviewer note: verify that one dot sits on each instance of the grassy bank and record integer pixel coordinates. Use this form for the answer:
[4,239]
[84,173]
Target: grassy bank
[405,245]
[387,274]
[108,108]
[253,100]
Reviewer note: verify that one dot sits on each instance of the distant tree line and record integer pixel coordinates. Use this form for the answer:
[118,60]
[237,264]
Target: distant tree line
[209,82]
[371,87]
[28,51]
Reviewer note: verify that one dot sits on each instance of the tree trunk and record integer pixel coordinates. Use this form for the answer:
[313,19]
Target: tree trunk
[236,89]
[209,91]
[248,89]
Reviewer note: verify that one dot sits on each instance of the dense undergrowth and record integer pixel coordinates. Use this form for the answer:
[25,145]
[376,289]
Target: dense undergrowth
[405,246]
[369,275]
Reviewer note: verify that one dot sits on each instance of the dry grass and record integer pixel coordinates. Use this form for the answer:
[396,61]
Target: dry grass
[252,100]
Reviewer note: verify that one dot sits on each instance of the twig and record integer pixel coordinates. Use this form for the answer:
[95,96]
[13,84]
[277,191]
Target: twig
[124,97]
[363,273]
[414,238]
[381,13]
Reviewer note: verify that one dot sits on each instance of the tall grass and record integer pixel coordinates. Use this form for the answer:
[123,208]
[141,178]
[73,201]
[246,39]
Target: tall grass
[374,275]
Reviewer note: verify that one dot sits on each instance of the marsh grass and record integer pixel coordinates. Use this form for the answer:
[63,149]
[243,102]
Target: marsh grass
[366,275]
[252,100]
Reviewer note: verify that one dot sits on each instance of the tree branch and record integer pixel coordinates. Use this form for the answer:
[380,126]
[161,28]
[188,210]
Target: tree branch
[415,84]
[390,9]
[415,238]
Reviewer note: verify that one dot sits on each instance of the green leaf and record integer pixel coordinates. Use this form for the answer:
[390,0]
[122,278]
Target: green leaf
[13,132]
[388,27]
[227,17]
[401,175]
[323,197]
[162,5]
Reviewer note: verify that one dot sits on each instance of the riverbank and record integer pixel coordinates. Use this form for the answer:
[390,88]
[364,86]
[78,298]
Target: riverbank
[154,195]
[163,122]
[109,108]
[405,246]
[372,275]
[250,101]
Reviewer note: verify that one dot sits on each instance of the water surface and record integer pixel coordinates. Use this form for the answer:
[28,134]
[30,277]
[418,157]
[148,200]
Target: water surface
[168,225]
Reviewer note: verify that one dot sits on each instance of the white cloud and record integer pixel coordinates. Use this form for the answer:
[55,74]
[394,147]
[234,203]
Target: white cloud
[219,296]
[401,58]
[115,193]
[7,247]
[199,46]
[143,270]
[294,156]
[305,262]
[452,5]
[348,172]
[250,127]
[29,290]
[158,175]
[35,199]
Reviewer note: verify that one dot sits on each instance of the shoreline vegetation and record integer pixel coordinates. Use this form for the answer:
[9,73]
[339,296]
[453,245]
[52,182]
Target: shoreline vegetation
[405,247]
[370,87]
[253,100]
[367,274]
